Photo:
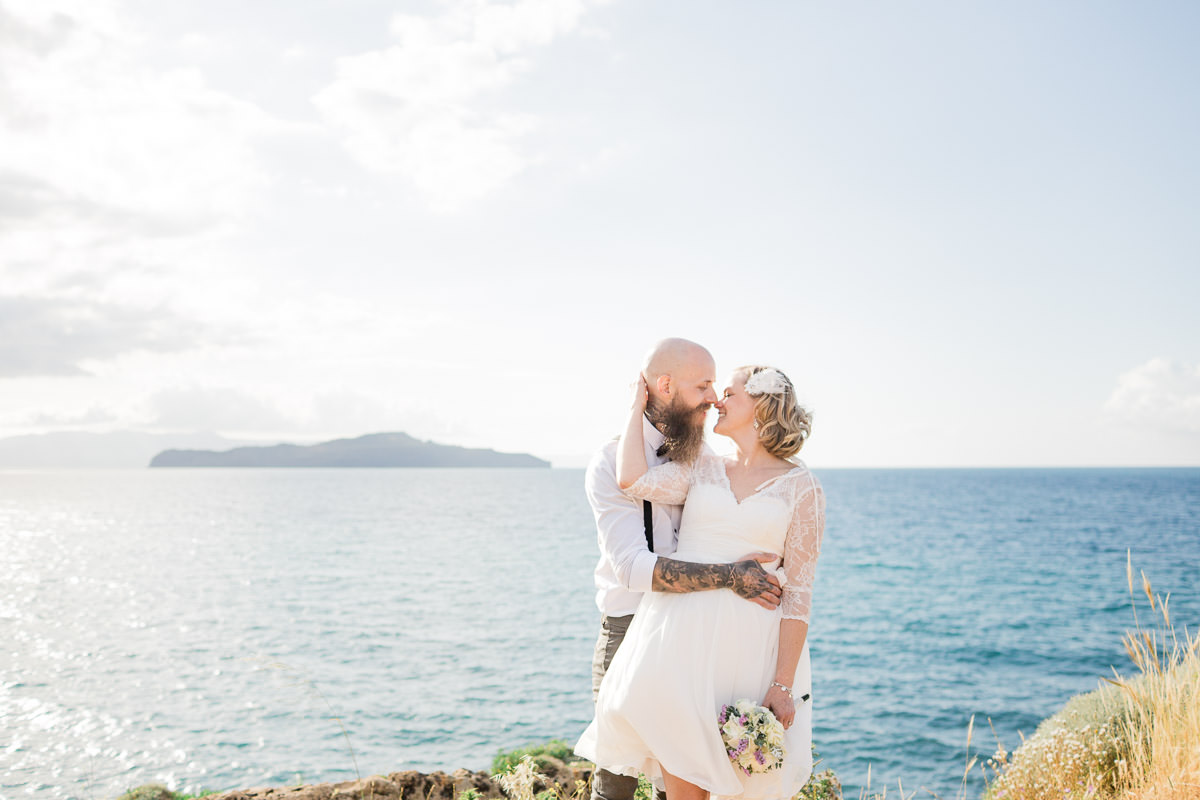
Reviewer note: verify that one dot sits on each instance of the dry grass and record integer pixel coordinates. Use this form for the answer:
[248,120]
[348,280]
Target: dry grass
[1137,738]
[518,781]
[867,793]
[1164,757]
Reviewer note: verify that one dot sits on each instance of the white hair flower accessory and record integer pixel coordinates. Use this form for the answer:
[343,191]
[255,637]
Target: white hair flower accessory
[767,381]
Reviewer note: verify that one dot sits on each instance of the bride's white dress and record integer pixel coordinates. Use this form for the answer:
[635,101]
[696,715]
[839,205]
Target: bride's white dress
[688,654]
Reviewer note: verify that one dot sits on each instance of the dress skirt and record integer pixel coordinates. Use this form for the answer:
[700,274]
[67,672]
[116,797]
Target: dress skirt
[684,657]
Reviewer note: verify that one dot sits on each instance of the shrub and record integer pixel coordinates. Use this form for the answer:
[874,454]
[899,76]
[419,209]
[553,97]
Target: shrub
[1078,752]
[555,748]
[821,786]
[149,791]
[156,791]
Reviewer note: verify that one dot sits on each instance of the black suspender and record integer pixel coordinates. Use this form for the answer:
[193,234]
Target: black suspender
[648,522]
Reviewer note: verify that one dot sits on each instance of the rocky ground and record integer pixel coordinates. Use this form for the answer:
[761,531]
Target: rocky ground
[408,785]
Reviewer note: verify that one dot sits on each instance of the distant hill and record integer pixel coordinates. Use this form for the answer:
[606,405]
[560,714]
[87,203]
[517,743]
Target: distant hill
[84,450]
[372,450]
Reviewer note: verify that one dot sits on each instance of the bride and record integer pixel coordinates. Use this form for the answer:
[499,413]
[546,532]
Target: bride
[687,655]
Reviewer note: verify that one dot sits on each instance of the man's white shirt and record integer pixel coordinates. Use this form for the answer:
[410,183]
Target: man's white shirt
[626,567]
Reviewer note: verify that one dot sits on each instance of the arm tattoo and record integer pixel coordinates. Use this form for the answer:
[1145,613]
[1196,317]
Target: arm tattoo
[747,578]
[686,576]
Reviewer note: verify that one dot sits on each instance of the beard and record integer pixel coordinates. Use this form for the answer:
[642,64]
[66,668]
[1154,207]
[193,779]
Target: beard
[683,427]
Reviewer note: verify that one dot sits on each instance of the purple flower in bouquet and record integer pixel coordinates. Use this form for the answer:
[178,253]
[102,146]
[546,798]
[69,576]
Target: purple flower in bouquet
[753,737]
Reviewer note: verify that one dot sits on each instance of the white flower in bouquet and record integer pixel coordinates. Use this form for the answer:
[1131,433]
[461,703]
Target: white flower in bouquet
[753,737]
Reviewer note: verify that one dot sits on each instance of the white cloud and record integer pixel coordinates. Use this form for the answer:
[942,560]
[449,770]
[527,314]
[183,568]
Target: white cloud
[1161,394]
[602,161]
[323,415]
[418,108]
[53,336]
[117,177]
[97,145]
[217,409]
[295,52]
[93,416]
[195,41]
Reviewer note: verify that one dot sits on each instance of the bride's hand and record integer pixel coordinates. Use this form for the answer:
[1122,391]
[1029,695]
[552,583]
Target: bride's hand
[640,393]
[781,705]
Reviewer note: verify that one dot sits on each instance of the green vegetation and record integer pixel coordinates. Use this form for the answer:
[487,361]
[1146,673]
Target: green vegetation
[149,791]
[156,791]
[821,786]
[518,769]
[645,790]
[555,748]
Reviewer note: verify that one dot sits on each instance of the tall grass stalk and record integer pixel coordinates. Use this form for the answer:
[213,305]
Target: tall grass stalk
[300,681]
[1164,700]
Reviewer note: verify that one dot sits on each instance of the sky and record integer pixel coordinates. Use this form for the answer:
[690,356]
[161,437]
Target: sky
[967,232]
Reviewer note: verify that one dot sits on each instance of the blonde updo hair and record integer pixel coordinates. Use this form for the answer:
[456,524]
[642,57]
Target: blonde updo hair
[783,424]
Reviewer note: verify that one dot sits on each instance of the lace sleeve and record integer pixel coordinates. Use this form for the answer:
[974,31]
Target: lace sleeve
[802,546]
[667,484]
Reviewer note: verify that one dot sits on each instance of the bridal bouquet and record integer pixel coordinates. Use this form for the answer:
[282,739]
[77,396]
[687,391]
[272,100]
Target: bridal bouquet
[753,737]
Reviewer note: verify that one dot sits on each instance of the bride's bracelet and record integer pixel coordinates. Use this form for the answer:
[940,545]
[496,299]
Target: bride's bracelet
[786,689]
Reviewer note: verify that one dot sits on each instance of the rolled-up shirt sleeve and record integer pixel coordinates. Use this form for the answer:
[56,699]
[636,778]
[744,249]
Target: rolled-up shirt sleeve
[620,527]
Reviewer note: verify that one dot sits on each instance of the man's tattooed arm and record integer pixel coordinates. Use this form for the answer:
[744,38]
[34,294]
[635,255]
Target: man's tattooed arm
[747,578]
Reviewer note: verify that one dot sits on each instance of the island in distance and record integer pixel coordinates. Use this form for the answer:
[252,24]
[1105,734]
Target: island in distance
[372,450]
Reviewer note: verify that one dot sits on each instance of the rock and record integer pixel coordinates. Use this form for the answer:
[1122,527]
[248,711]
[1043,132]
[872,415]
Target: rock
[419,786]
[480,782]
[318,791]
[409,785]
[552,767]
[442,786]
[375,786]
[408,781]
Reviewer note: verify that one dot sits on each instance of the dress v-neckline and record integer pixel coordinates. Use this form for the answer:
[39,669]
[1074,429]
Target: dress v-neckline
[754,492]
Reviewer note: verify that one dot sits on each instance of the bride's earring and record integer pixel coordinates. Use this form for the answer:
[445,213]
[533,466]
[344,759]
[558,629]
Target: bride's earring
[755,424]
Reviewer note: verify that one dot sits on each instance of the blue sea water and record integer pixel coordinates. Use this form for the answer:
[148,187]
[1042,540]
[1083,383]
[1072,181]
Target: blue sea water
[229,628]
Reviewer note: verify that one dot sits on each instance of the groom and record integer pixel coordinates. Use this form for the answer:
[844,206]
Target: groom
[680,376]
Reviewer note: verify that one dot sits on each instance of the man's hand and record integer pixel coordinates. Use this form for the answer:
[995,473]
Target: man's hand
[754,583]
[641,394]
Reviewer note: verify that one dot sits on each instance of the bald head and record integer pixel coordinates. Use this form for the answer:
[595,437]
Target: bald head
[670,356]
[675,365]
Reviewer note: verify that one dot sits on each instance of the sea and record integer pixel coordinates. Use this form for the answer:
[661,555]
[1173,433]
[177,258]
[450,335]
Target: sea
[228,628]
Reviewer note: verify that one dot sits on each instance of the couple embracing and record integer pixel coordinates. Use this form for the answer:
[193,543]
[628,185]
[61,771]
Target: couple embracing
[716,555]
